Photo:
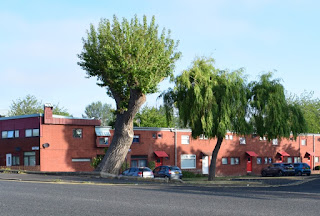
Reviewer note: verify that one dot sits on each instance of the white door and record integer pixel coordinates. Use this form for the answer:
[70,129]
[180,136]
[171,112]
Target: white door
[205,164]
[8,160]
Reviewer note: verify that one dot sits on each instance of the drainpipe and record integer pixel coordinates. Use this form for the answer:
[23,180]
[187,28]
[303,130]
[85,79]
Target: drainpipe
[175,146]
[314,150]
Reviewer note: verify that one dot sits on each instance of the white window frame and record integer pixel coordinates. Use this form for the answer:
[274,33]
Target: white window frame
[304,142]
[242,140]
[316,159]
[28,132]
[189,157]
[226,137]
[185,139]
[275,142]
[80,159]
[230,137]
[289,159]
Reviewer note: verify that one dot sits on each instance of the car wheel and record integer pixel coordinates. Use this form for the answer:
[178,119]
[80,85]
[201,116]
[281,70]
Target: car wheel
[263,173]
[299,173]
[308,174]
[280,173]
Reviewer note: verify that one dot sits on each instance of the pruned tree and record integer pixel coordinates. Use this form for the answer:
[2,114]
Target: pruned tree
[97,110]
[129,59]
[212,101]
[31,105]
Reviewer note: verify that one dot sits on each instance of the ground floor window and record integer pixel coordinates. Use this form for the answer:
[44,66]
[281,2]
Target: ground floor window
[259,160]
[29,158]
[224,161]
[316,159]
[15,161]
[188,161]
[234,161]
[139,160]
[297,159]
[289,159]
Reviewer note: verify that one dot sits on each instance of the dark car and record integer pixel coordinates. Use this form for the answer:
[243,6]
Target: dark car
[278,169]
[143,172]
[301,169]
[170,172]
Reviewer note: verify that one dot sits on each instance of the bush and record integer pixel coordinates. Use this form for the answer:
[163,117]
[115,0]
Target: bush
[187,174]
[152,165]
[96,160]
[317,168]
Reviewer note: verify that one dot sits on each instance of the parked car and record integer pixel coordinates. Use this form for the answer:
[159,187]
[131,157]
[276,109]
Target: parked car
[170,172]
[301,169]
[278,169]
[143,172]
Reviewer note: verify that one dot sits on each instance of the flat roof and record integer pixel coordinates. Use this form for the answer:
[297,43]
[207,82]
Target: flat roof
[21,117]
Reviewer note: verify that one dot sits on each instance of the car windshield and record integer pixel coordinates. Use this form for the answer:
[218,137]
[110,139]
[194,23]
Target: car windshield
[174,168]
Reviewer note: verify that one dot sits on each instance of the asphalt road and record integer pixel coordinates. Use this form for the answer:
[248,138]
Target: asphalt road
[36,198]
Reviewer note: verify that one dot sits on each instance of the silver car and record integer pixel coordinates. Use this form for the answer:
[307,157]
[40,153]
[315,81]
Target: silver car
[143,172]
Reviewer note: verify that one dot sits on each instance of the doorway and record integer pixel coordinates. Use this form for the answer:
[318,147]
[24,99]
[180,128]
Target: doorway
[205,165]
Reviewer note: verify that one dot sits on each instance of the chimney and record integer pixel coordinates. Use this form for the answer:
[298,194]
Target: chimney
[48,113]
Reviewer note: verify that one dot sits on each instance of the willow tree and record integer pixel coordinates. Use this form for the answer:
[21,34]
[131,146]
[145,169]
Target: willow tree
[129,59]
[212,102]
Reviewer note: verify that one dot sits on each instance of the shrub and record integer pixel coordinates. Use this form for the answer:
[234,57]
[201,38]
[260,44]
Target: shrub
[152,165]
[317,168]
[187,174]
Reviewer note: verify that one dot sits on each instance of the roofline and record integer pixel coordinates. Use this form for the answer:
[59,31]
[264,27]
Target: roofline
[21,117]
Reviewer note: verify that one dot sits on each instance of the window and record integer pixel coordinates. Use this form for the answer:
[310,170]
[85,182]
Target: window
[263,138]
[202,136]
[159,135]
[154,136]
[304,142]
[297,159]
[266,160]
[15,161]
[4,134]
[32,132]
[224,161]
[230,137]
[270,160]
[289,159]
[136,139]
[139,160]
[77,133]
[104,141]
[242,140]
[28,133]
[80,159]
[316,159]
[185,139]
[234,161]
[226,137]
[29,158]
[275,142]
[259,160]
[188,161]
[10,134]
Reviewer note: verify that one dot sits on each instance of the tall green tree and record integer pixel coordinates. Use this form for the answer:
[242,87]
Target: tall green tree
[152,117]
[129,59]
[212,101]
[310,107]
[31,105]
[97,110]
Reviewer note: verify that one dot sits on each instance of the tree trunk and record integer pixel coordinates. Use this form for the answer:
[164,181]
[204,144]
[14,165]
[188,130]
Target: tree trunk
[212,170]
[123,136]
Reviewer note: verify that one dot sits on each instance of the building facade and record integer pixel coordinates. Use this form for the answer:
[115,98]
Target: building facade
[46,142]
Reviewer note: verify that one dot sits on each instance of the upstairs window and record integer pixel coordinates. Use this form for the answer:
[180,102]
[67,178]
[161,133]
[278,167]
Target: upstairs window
[77,133]
[242,140]
[303,142]
[136,139]
[32,132]
[275,142]
[185,139]
[10,134]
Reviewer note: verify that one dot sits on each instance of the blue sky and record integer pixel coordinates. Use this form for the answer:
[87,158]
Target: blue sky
[40,40]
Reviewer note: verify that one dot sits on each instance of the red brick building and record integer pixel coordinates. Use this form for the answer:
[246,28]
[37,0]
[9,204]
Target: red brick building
[47,142]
